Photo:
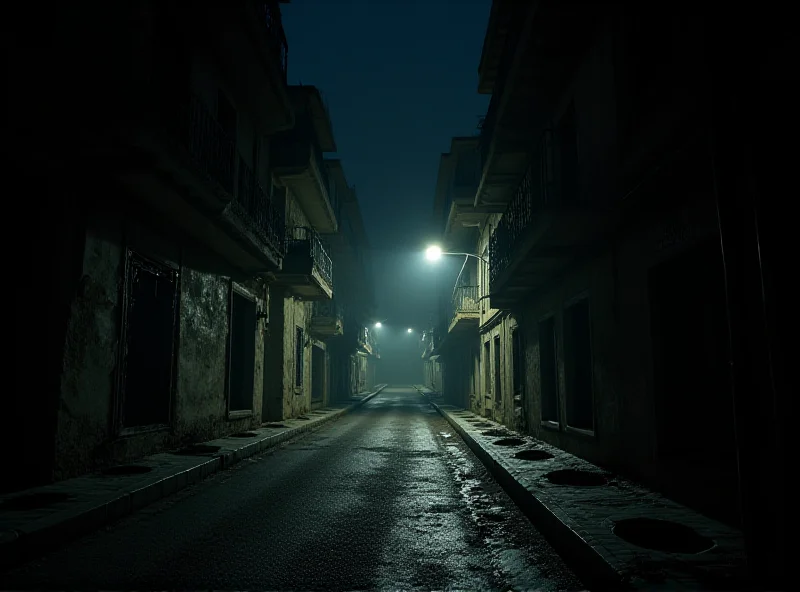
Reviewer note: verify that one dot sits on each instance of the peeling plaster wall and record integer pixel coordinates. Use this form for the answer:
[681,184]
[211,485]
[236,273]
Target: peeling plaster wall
[86,436]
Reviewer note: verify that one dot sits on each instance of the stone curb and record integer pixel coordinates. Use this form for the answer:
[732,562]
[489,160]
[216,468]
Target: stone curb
[18,546]
[590,566]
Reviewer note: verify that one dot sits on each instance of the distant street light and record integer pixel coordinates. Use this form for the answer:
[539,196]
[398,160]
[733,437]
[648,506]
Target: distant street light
[410,330]
[378,325]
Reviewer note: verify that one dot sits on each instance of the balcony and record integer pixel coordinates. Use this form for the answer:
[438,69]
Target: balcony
[297,158]
[526,82]
[180,161]
[326,319]
[307,268]
[543,230]
[466,313]
[368,343]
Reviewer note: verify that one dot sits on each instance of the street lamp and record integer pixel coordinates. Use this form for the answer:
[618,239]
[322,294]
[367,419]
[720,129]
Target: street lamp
[378,325]
[410,330]
[434,253]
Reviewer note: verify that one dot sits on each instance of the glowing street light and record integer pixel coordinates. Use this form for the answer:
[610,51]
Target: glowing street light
[410,330]
[378,325]
[433,253]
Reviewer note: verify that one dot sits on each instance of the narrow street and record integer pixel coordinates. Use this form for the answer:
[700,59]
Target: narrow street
[387,497]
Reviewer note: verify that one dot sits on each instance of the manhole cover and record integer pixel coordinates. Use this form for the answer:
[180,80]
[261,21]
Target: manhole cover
[197,450]
[662,535]
[533,455]
[497,433]
[483,424]
[576,478]
[509,442]
[243,435]
[33,501]
[126,470]
[273,425]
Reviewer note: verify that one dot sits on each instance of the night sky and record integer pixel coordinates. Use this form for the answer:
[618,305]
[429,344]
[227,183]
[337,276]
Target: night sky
[400,79]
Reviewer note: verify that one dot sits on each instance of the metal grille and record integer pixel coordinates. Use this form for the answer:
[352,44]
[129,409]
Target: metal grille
[211,148]
[512,225]
[304,237]
[259,209]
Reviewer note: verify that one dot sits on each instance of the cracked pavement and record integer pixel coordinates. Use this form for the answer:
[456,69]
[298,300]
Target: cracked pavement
[387,497]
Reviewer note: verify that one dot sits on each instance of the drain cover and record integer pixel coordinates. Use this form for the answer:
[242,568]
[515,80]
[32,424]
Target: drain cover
[243,435]
[474,421]
[509,442]
[125,470]
[483,424]
[273,425]
[662,535]
[33,501]
[576,478]
[533,455]
[303,417]
[198,450]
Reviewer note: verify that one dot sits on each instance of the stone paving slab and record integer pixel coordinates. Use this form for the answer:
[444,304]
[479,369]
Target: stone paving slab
[86,503]
[580,520]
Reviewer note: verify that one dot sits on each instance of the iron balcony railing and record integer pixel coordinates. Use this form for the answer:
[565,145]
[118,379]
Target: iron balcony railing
[537,190]
[465,300]
[259,206]
[216,156]
[327,308]
[210,147]
[269,13]
[302,237]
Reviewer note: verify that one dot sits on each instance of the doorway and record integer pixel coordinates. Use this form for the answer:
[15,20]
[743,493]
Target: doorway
[317,375]
[148,336]
[241,351]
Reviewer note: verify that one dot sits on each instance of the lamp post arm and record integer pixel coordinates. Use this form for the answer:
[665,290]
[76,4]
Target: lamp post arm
[469,255]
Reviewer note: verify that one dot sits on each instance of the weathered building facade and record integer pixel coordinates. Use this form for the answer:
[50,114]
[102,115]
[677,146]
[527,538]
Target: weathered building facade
[593,219]
[189,197]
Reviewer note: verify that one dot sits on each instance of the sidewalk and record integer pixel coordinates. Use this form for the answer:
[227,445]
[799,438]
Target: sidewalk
[39,519]
[585,515]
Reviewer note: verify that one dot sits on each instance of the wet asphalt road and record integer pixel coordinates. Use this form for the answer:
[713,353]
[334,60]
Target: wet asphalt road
[388,497]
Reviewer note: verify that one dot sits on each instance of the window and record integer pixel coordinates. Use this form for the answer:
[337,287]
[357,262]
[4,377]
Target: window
[578,365]
[487,369]
[299,356]
[497,385]
[548,371]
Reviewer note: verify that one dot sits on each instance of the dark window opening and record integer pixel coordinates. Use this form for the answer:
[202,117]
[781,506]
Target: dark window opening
[497,385]
[151,306]
[299,356]
[241,352]
[548,370]
[317,373]
[578,366]
[487,369]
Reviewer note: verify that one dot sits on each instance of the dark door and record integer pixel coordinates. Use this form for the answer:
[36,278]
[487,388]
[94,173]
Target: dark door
[241,352]
[151,303]
[317,374]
